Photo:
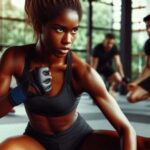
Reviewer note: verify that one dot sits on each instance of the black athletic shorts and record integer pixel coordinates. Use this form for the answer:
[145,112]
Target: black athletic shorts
[145,84]
[71,139]
[106,71]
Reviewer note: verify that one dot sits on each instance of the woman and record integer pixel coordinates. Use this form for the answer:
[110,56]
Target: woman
[50,79]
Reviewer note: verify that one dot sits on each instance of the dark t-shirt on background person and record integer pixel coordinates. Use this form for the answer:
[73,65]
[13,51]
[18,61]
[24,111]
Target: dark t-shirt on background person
[105,63]
[147,47]
[145,84]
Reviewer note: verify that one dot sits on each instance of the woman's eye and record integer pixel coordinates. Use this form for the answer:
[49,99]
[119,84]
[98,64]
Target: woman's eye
[75,30]
[60,30]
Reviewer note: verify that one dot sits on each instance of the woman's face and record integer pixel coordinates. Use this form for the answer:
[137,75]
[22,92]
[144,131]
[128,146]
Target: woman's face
[58,35]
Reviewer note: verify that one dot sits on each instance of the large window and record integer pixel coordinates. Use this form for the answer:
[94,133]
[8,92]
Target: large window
[15,31]
[106,18]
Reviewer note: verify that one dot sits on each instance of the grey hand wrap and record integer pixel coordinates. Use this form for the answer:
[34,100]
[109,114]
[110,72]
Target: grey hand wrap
[41,79]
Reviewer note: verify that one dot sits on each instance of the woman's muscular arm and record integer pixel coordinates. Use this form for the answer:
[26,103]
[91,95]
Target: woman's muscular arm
[6,72]
[91,82]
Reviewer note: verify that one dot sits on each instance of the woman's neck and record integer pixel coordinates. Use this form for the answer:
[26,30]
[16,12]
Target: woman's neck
[48,56]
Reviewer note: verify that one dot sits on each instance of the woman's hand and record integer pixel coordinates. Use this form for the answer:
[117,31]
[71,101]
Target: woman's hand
[38,82]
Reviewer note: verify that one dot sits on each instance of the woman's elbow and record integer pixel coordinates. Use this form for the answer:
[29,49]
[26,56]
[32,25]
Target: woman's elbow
[128,130]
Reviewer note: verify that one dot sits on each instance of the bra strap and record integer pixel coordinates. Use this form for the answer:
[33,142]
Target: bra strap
[68,73]
[27,63]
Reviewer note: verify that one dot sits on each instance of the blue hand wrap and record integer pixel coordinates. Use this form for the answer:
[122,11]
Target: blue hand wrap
[17,95]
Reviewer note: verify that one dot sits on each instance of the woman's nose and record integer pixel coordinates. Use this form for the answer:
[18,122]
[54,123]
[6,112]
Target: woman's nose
[67,38]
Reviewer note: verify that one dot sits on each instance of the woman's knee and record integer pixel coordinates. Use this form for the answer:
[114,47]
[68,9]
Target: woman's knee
[21,143]
[9,144]
[104,140]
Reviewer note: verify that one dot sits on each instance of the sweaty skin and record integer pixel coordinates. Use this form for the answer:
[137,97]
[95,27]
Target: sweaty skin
[51,49]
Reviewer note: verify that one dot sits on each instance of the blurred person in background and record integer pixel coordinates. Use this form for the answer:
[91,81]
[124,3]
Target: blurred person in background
[106,60]
[140,88]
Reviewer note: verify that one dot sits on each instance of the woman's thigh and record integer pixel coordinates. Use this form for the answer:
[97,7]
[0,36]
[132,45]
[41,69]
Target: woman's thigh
[102,140]
[21,143]
[109,140]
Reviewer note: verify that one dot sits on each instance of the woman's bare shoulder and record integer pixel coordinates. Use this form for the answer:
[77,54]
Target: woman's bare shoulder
[87,78]
[14,51]
[13,57]
[79,63]
[17,50]
[80,67]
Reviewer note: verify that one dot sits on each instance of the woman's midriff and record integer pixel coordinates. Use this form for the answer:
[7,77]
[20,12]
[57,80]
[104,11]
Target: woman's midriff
[52,125]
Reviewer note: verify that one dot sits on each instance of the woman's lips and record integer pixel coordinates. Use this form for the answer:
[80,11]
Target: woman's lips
[64,50]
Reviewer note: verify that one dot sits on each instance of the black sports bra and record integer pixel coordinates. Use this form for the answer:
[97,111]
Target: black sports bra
[64,102]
